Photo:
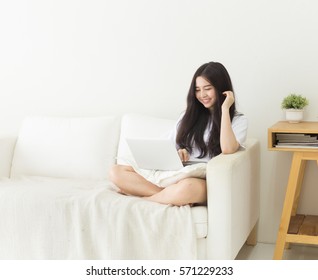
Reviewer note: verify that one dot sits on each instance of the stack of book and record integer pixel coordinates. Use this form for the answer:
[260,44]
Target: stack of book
[296,140]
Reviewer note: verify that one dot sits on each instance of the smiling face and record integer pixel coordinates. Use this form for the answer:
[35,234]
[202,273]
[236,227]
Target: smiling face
[205,92]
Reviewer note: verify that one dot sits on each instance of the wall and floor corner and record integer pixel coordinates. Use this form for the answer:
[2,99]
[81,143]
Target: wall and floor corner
[88,58]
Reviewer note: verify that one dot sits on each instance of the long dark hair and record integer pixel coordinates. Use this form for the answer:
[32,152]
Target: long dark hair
[197,117]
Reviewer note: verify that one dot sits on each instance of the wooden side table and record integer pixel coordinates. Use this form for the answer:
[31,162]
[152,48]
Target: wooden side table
[294,228]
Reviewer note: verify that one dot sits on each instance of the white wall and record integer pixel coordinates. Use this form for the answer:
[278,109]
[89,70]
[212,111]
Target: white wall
[87,58]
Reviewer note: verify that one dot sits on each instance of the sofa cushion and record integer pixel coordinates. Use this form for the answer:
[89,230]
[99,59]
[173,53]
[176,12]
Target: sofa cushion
[6,151]
[139,126]
[200,219]
[66,147]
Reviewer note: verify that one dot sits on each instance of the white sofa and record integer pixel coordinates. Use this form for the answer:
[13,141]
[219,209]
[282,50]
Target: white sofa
[56,201]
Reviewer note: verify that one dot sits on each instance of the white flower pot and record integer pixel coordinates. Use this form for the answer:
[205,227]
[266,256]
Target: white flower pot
[294,115]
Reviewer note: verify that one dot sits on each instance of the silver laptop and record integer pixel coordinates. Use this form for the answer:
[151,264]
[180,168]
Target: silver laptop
[158,154]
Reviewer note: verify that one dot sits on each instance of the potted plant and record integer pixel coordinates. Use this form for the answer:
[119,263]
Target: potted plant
[294,105]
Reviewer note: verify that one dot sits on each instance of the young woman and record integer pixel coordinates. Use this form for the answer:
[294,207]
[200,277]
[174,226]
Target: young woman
[209,126]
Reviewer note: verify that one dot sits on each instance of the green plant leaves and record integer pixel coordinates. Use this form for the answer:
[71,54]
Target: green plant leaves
[294,101]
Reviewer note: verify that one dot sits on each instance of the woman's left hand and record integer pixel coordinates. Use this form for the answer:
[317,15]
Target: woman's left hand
[229,100]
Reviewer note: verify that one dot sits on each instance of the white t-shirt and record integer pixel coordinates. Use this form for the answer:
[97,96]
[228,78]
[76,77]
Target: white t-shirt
[239,126]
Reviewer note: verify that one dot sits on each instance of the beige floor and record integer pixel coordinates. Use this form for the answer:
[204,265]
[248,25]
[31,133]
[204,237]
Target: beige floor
[264,251]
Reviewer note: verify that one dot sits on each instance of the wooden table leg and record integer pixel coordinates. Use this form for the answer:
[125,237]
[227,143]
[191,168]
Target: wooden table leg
[294,185]
[298,186]
[297,193]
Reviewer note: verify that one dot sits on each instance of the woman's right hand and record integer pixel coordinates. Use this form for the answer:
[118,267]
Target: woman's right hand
[184,155]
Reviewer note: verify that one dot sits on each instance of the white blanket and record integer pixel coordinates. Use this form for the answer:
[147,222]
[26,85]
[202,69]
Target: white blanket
[45,218]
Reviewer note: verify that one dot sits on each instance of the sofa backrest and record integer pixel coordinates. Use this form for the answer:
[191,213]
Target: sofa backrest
[141,126]
[79,148]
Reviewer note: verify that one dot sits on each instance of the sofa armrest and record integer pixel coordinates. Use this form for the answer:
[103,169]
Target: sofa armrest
[233,200]
[7,145]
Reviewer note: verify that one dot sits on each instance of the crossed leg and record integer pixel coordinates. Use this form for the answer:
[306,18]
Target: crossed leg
[186,191]
[130,182]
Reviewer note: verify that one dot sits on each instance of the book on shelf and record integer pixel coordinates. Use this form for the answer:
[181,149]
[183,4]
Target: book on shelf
[297,146]
[296,136]
[296,140]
